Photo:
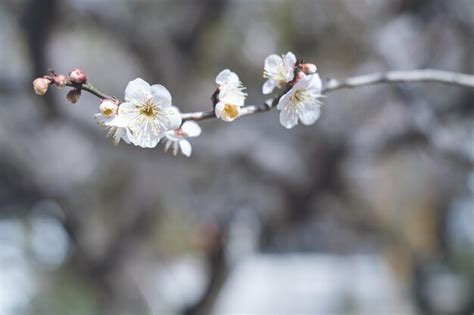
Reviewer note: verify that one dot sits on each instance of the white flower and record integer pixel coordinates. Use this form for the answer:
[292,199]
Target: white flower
[279,71]
[301,102]
[177,138]
[148,113]
[230,97]
[115,124]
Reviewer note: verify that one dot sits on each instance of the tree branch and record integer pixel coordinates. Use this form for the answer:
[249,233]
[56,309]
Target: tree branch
[407,76]
[427,75]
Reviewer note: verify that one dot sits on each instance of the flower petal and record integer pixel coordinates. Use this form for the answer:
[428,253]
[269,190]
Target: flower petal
[273,63]
[288,116]
[309,114]
[191,129]
[116,121]
[170,118]
[185,147]
[290,59]
[226,76]
[218,109]
[268,86]
[137,91]
[128,111]
[145,136]
[314,83]
[168,144]
[161,95]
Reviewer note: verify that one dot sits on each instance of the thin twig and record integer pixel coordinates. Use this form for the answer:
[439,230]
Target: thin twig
[91,89]
[427,75]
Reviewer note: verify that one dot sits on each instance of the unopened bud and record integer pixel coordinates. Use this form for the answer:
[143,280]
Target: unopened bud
[40,85]
[73,95]
[308,68]
[60,81]
[108,107]
[77,76]
[299,75]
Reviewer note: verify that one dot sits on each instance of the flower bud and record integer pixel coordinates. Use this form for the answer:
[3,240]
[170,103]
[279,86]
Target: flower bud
[308,68]
[77,76]
[73,95]
[108,107]
[60,81]
[299,75]
[40,85]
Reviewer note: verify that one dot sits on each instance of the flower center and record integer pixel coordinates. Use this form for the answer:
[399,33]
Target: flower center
[148,109]
[230,111]
[300,96]
[107,112]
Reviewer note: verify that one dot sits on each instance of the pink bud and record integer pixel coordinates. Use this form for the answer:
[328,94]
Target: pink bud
[77,76]
[60,81]
[108,107]
[73,95]
[308,68]
[299,75]
[40,85]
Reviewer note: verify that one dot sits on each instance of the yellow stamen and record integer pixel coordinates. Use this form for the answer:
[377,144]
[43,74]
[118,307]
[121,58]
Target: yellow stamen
[148,109]
[230,111]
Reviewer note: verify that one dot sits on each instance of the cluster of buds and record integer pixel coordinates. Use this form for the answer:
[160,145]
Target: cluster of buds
[76,77]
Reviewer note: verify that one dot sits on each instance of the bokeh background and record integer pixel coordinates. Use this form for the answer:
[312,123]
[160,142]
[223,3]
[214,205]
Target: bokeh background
[369,211]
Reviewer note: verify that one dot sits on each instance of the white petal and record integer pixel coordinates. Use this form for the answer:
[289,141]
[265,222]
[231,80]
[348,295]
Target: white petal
[226,76]
[137,91]
[273,63]
[232,95]
[285,99]
[288,117]
[185,147]
[219,108]
[170,118]
[145,136]
[128,111]
[168,144]
[175,148]
[309,114]
[191,129]
[116,121]
[161,95]
[268,86]
[290,59]
[118,134]
[126,135]
[314,82]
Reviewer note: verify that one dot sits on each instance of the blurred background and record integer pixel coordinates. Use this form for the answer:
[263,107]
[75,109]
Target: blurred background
[369,211]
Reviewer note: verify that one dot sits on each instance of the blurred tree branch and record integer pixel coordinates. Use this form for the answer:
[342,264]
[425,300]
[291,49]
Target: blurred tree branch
[37,28]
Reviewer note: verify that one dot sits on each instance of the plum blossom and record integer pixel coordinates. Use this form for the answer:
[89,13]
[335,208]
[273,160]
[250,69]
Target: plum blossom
[177,138]
[230,97]
[148,113]
[279,71]
[301,102]
[109,118]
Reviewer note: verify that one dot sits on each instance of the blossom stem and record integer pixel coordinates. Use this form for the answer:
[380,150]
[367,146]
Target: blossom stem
[91,89]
